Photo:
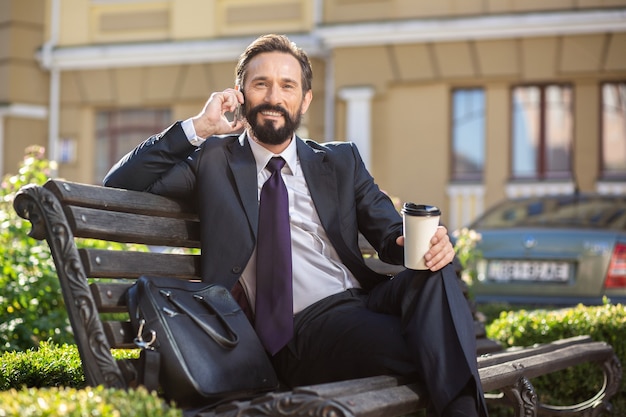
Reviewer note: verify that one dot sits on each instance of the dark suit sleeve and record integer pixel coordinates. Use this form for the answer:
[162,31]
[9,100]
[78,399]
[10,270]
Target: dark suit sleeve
[378,220]
[162,164]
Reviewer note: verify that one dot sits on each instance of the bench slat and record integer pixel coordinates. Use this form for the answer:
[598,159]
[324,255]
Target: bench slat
[116,199]
[133,228]
[119,334]
[512,354]
[350,387]
[110,297]
[395,401]
[101,263]
[501,374]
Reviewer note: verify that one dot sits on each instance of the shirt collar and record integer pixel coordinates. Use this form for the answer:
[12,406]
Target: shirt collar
[262,155]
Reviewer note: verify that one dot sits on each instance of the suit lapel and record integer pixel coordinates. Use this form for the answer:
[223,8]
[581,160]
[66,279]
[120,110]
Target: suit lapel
[243,166]
[321,180]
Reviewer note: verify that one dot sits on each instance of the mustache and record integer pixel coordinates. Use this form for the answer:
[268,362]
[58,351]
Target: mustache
[268,107]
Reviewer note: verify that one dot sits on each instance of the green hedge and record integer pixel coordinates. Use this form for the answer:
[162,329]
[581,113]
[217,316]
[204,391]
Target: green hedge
[31,305]
[71,402]
[49,366]
[602,323]
[49,381]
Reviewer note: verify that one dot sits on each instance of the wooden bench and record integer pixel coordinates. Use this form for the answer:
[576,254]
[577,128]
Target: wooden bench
[93,282]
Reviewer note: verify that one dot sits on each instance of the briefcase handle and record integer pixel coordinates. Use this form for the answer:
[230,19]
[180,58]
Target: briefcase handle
[228,342]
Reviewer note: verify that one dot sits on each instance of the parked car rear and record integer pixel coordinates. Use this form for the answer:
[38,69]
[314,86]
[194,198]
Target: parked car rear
[553,250]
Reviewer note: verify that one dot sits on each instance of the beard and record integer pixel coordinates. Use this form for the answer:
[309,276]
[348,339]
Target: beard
[266,132]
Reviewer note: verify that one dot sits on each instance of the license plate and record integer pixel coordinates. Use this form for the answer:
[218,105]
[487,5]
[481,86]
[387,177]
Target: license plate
[529,271]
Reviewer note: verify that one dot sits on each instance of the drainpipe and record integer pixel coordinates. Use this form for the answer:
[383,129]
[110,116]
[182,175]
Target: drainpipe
[55,87]
[329,79]
[329,98]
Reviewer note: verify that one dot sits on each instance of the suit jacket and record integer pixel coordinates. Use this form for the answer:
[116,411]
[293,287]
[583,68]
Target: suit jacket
[221,176]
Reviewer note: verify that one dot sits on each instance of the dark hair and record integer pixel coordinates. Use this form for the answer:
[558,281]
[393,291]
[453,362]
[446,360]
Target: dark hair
[274,43]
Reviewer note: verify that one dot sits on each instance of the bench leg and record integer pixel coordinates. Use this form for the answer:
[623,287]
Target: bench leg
[599,404]
[523,397]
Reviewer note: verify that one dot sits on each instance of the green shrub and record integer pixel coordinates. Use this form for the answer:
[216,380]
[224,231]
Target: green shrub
[70,402]
[49,365]
[602,323]
[31,305]
[31,308]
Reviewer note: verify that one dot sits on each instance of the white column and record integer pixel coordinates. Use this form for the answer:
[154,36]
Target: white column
[359,123]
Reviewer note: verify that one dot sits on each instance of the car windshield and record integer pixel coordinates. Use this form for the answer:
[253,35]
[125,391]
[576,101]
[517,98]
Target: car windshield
[603,212]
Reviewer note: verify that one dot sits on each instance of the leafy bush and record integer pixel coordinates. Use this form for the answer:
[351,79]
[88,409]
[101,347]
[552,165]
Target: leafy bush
[48,381]
[70,402]
[602,323]
[31,308]
[465,241]
[31,305]
[49,365]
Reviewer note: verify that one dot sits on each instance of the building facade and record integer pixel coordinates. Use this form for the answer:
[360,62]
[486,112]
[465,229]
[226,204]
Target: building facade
[457,103]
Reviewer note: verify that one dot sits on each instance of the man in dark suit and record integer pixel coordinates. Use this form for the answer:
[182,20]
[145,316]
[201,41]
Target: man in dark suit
[348,321]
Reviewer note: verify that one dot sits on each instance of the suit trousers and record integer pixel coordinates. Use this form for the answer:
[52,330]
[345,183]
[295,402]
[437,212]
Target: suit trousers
[418,324]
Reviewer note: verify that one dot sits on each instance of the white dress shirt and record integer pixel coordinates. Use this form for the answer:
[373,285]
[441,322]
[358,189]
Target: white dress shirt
[317,270]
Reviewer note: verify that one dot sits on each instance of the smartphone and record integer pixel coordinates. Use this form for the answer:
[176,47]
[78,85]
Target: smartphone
[238,113]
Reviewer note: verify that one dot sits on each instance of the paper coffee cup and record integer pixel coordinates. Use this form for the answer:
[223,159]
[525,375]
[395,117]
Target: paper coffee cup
[420,224]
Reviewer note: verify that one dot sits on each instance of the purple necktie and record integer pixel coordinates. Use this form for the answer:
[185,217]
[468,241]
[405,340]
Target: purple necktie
[274,291]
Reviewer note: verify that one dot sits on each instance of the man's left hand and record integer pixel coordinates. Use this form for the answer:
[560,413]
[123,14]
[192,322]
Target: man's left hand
[441,251]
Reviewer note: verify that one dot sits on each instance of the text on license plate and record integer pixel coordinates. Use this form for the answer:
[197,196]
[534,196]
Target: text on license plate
[539,271]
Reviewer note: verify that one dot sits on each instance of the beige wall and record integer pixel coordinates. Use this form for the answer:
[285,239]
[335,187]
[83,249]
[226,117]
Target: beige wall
[412,80]
[497,149]
[411,117]
[343,11]
[183,89]
[417,132]
[21,35]
[21,133]
[88,22]
[22,80]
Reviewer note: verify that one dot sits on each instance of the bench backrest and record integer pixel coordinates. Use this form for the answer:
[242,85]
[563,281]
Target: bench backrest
[94,281]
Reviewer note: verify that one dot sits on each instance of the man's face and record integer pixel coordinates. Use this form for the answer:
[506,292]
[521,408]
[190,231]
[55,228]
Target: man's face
[274,100]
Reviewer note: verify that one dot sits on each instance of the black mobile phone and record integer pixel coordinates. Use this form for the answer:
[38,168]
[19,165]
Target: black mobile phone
[238,113]
[234,116]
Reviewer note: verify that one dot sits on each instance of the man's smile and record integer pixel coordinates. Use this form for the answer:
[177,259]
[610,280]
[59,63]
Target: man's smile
[272,113]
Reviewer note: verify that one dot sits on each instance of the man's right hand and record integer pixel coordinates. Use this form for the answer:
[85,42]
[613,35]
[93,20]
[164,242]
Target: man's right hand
[212,119]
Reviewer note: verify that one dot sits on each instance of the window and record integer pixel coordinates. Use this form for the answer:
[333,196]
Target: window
[613,163]
[120,131]
[468,134]
[542,132]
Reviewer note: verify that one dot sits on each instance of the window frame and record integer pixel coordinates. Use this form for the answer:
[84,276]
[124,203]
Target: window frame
[541,170]
[466,177]
[161,118]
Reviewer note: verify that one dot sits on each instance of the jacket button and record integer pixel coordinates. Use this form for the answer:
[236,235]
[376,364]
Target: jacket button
[236,269]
